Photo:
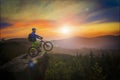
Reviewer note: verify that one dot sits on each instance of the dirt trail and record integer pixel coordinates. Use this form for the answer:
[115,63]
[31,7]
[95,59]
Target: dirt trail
[21,62]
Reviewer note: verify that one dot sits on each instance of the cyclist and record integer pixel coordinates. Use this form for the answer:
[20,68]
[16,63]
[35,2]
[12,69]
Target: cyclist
[33,39]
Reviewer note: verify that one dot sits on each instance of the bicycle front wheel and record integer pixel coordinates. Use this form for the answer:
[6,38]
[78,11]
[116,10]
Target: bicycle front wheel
[48,46]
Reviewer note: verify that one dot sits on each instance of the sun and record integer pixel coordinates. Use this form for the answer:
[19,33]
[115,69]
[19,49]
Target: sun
[65,30]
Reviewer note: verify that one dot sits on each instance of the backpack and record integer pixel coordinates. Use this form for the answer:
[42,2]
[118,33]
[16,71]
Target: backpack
[30,38]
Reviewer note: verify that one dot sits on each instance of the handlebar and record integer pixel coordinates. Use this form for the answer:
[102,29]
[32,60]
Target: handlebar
[41,39]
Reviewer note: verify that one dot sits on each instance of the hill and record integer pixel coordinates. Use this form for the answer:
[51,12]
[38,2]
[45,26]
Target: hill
[58,66]
[14,47]
[102,42]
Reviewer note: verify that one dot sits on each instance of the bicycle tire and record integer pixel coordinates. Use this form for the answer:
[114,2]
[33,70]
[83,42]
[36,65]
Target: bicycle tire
[29,52]
[45,45]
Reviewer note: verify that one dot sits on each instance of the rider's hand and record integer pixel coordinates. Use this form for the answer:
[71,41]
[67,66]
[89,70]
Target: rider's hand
[41,37]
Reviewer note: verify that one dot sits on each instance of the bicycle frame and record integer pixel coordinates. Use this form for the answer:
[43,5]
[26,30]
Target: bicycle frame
[41,43]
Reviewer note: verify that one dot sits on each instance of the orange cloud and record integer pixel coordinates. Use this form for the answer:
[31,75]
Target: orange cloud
[51,29]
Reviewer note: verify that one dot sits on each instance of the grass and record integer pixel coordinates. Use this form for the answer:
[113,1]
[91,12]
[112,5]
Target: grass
[87,64]
[105,66]
[88,67]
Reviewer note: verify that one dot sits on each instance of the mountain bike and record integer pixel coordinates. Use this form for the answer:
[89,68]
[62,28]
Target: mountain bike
[46,45]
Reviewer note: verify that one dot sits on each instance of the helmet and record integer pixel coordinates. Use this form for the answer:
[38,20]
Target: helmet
[33,28]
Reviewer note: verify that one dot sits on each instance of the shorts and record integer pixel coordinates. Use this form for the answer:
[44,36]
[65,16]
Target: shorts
[35,44]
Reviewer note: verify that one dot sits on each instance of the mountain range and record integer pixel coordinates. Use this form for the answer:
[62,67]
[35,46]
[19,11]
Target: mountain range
[101,42]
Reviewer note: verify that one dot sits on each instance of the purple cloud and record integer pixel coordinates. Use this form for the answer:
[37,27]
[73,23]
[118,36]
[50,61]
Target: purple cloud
[5,24]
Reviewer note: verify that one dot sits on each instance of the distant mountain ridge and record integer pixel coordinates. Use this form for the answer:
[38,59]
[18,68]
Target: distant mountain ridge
[103,42]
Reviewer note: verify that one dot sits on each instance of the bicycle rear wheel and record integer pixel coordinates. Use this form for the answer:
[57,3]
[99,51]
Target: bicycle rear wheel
[33,52]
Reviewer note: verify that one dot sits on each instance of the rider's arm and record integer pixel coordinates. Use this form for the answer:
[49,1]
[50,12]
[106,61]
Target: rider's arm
[39,37]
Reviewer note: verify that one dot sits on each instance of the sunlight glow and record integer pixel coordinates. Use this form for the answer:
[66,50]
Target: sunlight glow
[65,29]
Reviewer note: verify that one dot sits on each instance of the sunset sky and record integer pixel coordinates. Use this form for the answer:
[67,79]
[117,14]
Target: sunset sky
[57,19]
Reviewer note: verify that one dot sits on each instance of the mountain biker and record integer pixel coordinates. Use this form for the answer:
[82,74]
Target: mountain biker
[33,38]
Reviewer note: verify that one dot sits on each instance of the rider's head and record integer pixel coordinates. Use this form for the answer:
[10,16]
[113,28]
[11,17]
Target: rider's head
[34,30]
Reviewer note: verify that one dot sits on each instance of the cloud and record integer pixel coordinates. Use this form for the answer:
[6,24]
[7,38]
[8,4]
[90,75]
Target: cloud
[109,3]
[5,24]
[19,16]
[42,9]
[106,15]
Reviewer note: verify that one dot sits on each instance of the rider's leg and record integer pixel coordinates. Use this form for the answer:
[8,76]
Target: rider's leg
[36,44]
